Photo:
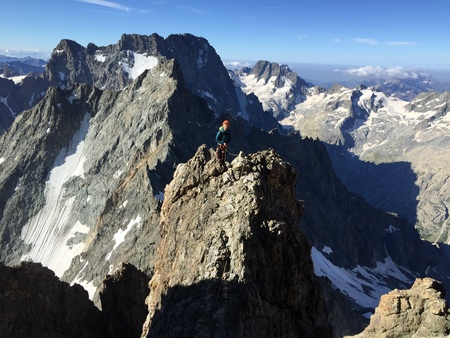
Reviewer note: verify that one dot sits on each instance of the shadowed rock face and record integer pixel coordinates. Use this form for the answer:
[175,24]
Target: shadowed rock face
[232,260]
[122,297]
[418,312]
[35,303]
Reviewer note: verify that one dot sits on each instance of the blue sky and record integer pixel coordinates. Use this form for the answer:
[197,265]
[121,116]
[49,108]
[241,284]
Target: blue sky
[394,33]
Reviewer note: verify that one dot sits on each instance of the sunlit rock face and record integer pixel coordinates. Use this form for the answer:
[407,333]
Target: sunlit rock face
[232,260]
[418,312]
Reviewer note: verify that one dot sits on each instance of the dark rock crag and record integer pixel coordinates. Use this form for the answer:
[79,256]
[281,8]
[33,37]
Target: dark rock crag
[232,261]
[35,303]
[123,302]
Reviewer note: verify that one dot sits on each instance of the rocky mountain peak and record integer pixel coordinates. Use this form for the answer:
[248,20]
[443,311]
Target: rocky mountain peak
[277,87]
[139,43]
[266,70]
[232,260]
[67,65]
[420,311]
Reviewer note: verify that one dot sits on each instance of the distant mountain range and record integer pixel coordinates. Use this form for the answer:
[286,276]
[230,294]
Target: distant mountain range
[390,150]
[11,66]
[402,88]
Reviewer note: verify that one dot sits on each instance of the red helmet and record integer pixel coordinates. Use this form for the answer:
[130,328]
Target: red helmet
[226,122]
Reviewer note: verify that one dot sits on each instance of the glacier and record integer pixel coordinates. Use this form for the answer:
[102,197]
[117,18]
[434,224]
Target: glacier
[49,231]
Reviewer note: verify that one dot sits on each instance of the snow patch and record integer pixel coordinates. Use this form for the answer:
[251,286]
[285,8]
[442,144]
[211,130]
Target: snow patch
[88,286]
[364,285]
[18,79]
[207,94]
[2,159]
[4,100]
[99,56]
[200,62]
[327,250]
[119,236]
[118,173]
[142,62]
[391,229]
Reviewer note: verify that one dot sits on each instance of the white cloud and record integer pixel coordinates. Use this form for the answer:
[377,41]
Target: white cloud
[386,73]
[366,41]
[193,9]
[20,53]
[236,64]
[401,43]
[109,4]
[303,36]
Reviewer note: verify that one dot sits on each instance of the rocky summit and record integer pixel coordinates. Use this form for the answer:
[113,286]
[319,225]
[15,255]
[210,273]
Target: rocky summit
[232,261]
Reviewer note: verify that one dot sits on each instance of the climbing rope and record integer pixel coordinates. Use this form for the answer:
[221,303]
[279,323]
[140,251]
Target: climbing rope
[235,155]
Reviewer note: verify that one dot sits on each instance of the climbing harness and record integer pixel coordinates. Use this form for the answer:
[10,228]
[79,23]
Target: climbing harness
[221,152]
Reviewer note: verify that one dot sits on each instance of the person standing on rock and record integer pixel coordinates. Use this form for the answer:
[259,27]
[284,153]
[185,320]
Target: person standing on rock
[223,137]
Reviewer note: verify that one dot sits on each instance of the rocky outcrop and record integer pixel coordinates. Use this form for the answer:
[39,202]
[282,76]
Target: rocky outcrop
[418,312]
[15,98]
[34,303]
[232,260]
[123,301]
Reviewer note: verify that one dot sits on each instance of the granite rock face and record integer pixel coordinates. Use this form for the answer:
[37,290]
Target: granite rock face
[418,312]
[232,260]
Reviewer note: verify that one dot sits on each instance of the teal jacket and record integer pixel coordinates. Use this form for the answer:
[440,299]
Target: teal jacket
[223,136]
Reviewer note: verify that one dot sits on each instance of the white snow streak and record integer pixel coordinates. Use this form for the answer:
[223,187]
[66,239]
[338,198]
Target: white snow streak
[119,236]
[4,100]
[88,286]
[2,159]
[49,231]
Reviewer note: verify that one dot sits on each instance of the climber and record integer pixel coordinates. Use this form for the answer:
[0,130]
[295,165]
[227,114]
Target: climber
[222,138]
